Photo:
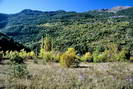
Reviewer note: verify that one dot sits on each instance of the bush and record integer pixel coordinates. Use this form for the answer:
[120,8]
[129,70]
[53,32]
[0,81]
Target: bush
[29,55]
[99,57]
[71,50]
[121,56]
[111,54]
[86,57]
[18,70]
[42,53]
[95,56]
[32,54]
[15,58]
[9,54]
[56,56]
[68,59]
[131,59]
[22,54]
[50,56]
[111,51]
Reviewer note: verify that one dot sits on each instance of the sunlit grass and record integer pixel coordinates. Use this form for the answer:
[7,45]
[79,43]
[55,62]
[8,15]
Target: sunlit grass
[88,76]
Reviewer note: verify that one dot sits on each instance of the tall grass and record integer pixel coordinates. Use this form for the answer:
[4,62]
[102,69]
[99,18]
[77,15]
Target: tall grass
[96,76]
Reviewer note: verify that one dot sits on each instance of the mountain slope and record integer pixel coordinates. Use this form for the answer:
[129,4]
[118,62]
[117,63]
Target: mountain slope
[85,31]
[118,8]
[8,44]
[3,20]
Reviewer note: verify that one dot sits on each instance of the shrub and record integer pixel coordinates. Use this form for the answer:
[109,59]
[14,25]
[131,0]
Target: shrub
[9,54]
[48,56]
[111,51]
[95,56]
[99,48]
[15,58]
[99,57]
[86,57]
[71,51]
[68,59]
[112,54]
[131,59]
[22,53]
[42,53]
[121,56]
[56,56]
[31,55]
[18,70]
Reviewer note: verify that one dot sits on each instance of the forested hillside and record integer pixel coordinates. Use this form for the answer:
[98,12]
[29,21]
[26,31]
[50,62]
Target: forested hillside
[8,44]
[85,31]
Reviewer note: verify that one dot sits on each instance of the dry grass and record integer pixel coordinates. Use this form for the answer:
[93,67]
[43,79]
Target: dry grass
[89,76]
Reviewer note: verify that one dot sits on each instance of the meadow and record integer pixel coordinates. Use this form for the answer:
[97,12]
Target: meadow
[87,76]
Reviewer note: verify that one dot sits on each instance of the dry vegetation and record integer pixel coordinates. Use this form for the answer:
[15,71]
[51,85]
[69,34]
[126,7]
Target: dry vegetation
[87,76]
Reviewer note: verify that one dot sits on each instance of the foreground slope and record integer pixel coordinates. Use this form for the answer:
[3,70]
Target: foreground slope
[89,76]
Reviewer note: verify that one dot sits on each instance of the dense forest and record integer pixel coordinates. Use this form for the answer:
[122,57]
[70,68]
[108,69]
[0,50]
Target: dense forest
[8,44]
[85,31]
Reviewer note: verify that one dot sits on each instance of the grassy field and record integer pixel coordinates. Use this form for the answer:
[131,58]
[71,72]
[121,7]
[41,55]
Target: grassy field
[88,76]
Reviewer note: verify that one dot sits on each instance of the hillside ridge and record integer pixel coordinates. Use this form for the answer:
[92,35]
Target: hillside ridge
[83,31]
